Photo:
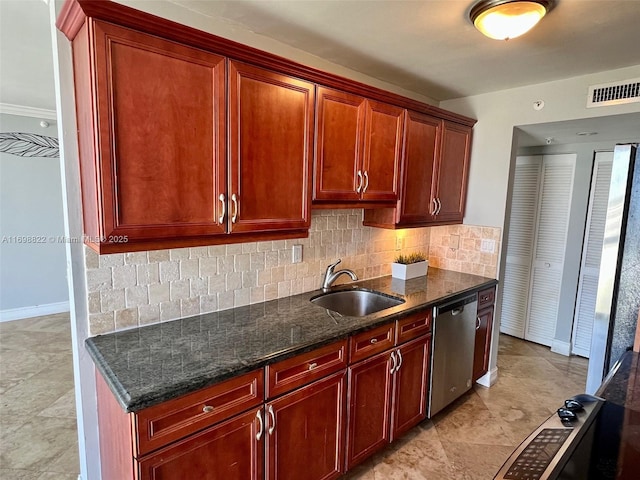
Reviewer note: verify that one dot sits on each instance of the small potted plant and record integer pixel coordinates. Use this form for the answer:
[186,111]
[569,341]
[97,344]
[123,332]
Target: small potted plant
[409,266]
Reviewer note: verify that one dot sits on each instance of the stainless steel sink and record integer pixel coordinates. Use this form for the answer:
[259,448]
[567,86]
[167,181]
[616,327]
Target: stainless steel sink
[356,302]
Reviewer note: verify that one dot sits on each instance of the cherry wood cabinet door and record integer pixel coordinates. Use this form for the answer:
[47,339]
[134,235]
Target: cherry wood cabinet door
[421,139]
[369,404]
[453,172]
[339,138]
[232,450]
[160,163]
[382,149]
[411,382]
[483,343]
[305,432]
[271,139]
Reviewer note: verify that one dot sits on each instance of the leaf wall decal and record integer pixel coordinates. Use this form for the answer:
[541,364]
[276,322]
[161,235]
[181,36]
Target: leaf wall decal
[29,145]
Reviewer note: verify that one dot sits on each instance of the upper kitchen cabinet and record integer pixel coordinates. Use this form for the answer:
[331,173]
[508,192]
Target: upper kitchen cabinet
[358,144]
[434,172]
[271,141]
[152,151]
[186,139]
[452,173]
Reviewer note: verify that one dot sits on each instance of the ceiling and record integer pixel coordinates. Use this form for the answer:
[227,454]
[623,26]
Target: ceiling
[432,48]
[428,46]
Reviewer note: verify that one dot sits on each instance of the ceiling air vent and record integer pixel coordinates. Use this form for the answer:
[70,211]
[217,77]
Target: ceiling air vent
[617,93]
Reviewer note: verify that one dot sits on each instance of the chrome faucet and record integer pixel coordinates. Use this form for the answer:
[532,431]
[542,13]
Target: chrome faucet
[330,276]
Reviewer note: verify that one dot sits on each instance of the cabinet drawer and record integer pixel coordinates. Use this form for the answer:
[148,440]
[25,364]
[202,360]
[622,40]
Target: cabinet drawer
[169,421]
[301,369]
[371,342]
[486,297]
[413,326]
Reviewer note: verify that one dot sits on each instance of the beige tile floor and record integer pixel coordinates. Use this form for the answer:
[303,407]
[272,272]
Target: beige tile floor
[467,441]
[38,439]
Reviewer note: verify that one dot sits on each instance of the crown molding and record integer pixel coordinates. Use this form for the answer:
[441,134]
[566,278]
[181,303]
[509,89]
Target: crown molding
[23,111]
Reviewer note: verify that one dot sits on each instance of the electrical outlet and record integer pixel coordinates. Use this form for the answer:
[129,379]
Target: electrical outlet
[454,242]
[487,245]
[399,243]
[296,254]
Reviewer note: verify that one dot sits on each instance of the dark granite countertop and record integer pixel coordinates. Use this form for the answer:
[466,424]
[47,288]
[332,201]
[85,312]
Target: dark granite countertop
[148,365]
[622,385]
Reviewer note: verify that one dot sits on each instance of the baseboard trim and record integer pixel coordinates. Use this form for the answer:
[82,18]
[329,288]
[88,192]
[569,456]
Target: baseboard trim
[489,379]
[563,348]
[35,311]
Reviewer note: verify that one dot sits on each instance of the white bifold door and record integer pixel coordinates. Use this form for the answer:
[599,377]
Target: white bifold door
[536,243]
[591,253]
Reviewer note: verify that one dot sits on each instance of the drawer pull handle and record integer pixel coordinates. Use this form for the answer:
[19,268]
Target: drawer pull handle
[207,409]
[272,427]
[312,365]
[261,429]
[374,340]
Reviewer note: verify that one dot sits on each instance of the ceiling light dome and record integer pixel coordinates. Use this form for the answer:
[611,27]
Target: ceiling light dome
[505,19]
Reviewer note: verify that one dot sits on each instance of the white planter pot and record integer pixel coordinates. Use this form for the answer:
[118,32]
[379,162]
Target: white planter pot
[413,270]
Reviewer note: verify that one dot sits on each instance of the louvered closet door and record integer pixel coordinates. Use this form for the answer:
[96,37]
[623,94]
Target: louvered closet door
[550,242]
[591,253]
[522,226]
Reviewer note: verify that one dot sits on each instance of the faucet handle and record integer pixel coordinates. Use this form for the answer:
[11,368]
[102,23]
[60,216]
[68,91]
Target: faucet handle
[333,265]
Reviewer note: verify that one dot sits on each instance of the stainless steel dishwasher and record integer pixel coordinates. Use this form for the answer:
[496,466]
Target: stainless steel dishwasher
[454,329]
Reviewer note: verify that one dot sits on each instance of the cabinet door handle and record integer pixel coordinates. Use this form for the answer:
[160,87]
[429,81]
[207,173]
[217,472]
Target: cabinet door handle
[478,323]
[272,427]
[393,362]
[359,187]
[399,361]
[366,181]
[234,215]
[261,429]
[434,205]
[224,208]
[439,206]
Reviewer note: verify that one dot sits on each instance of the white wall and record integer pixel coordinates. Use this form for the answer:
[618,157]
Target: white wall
[33,274]
[493,151]
[499,112]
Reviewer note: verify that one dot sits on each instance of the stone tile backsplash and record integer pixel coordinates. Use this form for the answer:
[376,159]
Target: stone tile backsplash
[132,289]
[458,248]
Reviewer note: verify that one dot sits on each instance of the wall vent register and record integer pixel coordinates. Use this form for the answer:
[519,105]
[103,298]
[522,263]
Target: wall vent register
[616,93]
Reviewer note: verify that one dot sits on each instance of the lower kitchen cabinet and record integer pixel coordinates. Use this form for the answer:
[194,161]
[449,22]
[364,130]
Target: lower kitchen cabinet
[410,386]
[387,396]
[232,450]
[370,387]
[483,343]
[484,321]
[305,432]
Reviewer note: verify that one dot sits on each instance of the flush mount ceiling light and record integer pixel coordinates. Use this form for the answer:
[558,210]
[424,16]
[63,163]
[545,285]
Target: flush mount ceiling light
[505,19]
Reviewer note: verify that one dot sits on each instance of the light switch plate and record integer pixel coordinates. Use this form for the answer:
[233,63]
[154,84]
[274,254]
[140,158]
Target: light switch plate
[296,254]
[488,245]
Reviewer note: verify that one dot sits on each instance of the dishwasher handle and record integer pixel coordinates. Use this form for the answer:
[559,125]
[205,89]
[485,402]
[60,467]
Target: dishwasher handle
[457,306]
